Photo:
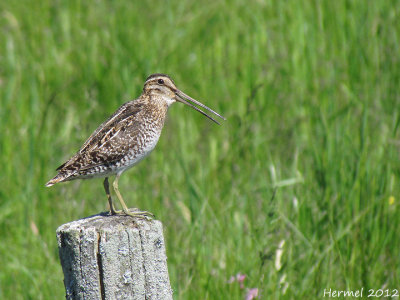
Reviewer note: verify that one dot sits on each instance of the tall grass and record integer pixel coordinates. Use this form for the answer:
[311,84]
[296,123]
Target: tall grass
[306,164]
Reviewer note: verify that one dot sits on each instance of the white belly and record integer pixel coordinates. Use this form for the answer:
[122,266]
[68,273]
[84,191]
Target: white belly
[136,155]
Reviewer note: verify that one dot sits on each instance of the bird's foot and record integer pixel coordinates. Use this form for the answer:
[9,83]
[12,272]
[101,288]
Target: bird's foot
[134,212]
[140,214]
[114,212]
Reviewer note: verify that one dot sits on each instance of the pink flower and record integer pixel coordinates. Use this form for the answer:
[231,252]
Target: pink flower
[239,278]
[252,294]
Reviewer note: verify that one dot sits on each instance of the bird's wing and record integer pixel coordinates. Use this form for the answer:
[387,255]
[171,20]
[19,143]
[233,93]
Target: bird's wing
[105,132]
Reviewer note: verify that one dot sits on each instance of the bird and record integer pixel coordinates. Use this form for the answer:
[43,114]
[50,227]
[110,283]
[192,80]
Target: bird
[127,137]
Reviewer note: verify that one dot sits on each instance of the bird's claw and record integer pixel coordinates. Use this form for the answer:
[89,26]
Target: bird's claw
[134,212]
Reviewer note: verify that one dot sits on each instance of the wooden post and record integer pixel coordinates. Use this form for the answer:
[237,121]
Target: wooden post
[114,257]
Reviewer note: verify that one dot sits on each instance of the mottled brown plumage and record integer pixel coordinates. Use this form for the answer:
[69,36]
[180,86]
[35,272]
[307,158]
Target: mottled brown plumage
[128,136]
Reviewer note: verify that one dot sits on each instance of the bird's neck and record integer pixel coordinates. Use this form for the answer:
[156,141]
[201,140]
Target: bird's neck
[156,109]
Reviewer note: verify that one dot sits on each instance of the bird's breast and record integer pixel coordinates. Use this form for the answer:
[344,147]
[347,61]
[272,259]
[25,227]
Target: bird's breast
[142,146]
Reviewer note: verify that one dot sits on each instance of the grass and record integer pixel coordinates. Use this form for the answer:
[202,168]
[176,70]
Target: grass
[307,162]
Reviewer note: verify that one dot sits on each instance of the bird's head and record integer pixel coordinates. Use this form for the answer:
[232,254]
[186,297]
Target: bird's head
[163,87]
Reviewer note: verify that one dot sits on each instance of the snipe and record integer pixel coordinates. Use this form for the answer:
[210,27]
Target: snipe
[127,137]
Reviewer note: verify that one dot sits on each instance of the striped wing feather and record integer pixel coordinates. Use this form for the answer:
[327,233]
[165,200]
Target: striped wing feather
[93,148]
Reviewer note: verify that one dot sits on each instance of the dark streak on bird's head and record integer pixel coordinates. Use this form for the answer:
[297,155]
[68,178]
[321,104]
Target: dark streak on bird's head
[160,85]
[163,88]
[159,80]
[157,75]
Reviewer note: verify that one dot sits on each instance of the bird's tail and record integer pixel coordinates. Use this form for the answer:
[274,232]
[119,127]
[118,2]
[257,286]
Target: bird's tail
[60,177]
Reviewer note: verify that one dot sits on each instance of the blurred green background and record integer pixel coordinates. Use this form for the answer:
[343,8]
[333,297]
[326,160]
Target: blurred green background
[298,190]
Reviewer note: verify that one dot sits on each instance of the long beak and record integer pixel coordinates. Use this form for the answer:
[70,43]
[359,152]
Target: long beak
[181,97]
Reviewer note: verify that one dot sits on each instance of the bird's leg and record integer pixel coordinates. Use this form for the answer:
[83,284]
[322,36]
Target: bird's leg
[107,189]
[138,213]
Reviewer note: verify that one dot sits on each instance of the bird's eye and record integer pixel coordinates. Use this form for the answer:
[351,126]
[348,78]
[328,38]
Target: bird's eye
[160,81]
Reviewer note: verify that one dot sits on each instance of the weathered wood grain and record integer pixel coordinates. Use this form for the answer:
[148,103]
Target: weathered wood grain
[114,257]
